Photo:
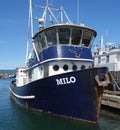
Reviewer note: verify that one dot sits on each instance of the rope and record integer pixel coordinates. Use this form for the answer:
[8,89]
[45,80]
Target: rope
[114,80]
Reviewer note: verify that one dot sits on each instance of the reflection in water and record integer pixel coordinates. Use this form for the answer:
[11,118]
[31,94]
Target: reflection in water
[38,120]
[110,119]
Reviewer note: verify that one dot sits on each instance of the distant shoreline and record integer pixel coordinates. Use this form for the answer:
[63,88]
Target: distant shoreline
[10,71]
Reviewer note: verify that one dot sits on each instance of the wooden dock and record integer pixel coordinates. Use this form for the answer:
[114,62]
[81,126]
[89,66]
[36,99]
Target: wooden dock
[111,99]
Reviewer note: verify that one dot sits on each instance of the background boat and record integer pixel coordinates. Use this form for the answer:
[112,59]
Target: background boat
[109,56]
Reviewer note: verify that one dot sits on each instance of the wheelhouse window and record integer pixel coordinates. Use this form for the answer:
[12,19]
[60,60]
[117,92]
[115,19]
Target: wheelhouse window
[64,35]
[51,37]
[86,38]
[107,58]
[99,59]
[76,36]
[42,40]
[37,44]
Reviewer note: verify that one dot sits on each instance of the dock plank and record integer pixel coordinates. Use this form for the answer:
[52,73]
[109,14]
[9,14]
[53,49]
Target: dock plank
[111,104]
[111,99]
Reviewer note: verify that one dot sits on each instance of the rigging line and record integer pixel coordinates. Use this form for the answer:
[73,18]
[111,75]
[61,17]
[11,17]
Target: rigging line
[55,9]
[66,15]
[52,15]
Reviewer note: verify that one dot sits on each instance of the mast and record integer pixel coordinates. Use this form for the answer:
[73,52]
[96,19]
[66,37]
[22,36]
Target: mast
[78,15]
[30,30]
[101,49]
[46,2]
[52,17]
[28,37]
[42,23]
[61,14]
[101,43]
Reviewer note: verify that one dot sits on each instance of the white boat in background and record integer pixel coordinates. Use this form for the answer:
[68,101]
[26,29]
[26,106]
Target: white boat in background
[108,56]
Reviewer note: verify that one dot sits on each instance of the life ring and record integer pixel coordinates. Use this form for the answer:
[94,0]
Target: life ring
[103,82]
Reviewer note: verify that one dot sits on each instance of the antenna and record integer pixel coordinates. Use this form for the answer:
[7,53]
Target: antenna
[78,14]
[101,42]
[49,2]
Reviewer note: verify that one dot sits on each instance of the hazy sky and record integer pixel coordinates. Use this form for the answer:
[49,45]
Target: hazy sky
[101,15]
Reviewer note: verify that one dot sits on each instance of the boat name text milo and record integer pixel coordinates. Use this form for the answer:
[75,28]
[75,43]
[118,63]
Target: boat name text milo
[66,80]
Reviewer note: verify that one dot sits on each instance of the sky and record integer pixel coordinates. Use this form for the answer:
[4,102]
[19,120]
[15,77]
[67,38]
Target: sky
[101,15]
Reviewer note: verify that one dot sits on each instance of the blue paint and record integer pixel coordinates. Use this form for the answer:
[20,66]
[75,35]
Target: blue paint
[68,52]
[78,100]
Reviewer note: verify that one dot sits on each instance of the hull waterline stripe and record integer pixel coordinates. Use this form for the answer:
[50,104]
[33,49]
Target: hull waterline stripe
[22,97]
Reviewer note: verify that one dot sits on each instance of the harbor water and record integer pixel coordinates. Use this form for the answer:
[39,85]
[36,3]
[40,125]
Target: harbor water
[15,117]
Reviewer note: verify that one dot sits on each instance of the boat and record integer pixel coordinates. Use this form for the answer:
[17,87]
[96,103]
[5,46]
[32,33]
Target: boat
[12,76]
[109,56]
[58,77]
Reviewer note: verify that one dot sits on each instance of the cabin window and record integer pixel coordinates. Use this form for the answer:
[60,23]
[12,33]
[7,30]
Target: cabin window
[118,57]
[42,40]
[76,36]
[64,35]
[37,44]
[30,74]
[86,38]
[107,59]
[51,37]
[98,59]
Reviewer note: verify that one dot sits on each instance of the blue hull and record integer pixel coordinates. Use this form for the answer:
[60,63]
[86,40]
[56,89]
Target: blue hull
[73,94]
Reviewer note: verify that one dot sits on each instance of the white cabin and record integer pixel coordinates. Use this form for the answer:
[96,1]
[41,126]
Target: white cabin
[109,57]
[20,76]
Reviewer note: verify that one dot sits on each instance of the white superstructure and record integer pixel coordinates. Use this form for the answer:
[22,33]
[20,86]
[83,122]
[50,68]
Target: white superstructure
[109,57]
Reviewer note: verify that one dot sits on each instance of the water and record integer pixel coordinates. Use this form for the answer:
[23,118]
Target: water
[15,117]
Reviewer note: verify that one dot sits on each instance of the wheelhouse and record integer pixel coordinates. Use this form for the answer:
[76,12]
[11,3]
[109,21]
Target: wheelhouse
[68,35]
[61,49]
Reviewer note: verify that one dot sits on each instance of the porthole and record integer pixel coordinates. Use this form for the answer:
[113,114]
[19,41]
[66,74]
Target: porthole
[55,67]
[65,67]
[82,67]
[74,67]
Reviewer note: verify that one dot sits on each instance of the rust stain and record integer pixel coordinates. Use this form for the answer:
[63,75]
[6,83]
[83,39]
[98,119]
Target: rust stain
[100,95]
[90,82]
